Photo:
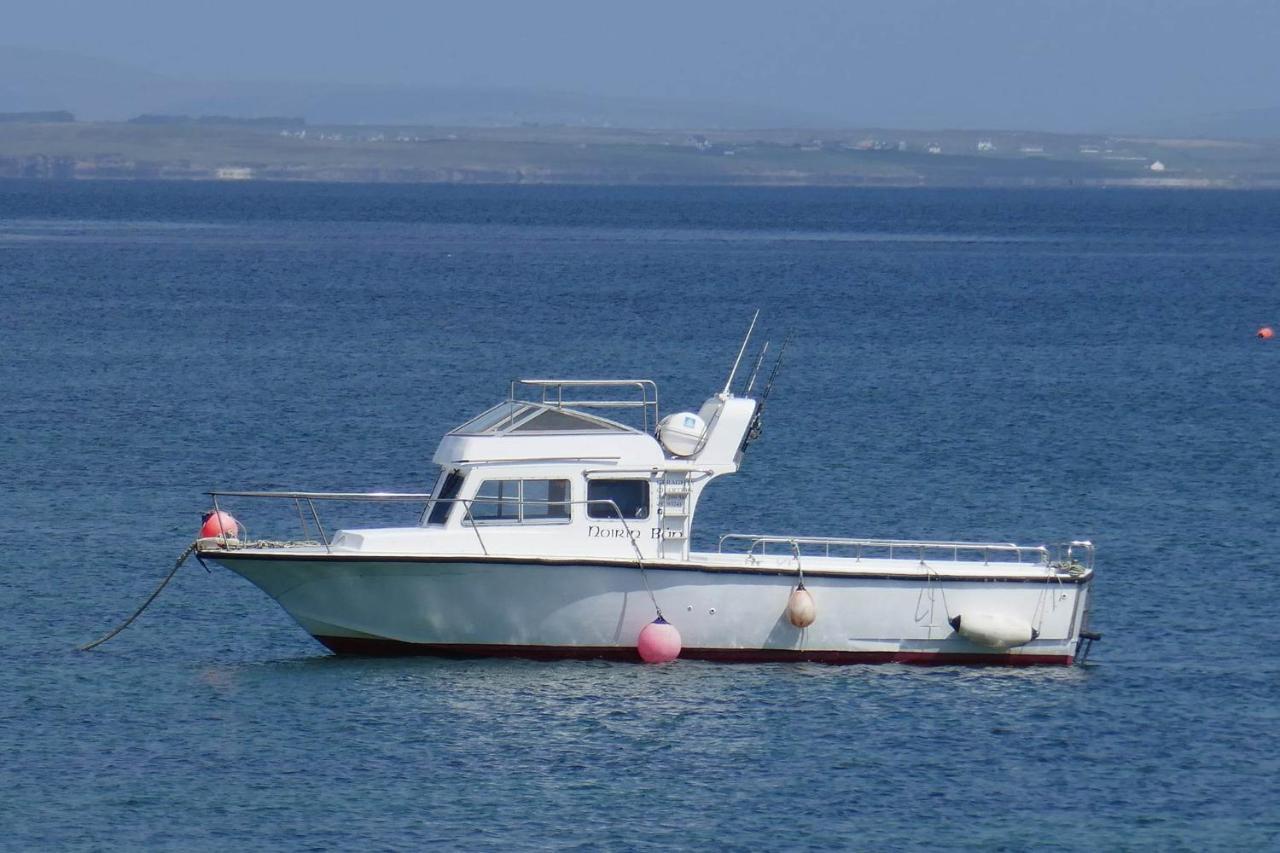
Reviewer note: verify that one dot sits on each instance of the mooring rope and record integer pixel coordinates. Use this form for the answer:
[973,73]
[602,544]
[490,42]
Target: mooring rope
[644,575]
[795,550]
[931,574]
[190,549]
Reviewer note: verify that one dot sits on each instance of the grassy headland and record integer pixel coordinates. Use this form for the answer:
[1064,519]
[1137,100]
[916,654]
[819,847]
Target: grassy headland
[290,150]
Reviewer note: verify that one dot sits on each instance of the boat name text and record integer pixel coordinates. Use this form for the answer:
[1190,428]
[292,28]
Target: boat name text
[596,531]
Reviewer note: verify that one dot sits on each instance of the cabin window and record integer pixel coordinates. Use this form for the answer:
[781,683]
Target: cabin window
[545,499]
[630,496]
[516,501]
[497,500]
[444,498]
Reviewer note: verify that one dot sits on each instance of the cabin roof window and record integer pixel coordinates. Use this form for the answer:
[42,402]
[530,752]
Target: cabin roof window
[536,417]
[490,420]
[521,502]
[631,497]
[556,420]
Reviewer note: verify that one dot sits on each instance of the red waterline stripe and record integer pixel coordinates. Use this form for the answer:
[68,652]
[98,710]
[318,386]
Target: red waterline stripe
[394,648]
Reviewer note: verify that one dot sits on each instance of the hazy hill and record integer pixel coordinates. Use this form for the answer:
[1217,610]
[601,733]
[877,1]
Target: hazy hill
[1239,124]
[96,89]
[91,88]
[102,90]
[336,104]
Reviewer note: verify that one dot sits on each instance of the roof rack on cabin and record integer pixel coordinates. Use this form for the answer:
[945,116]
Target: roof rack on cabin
[552,393]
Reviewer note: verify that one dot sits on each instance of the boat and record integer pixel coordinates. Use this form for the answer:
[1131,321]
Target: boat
[560,525]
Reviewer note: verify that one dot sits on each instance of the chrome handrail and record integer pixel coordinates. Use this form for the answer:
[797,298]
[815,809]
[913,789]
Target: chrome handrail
[756,540]
[1086,546]
[647,387]
[324,496]
[919,546]
[309,497]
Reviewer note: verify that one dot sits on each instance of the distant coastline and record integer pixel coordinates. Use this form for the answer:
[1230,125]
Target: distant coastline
[55,146]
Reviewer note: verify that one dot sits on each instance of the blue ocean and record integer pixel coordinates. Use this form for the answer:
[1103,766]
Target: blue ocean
[1001,365]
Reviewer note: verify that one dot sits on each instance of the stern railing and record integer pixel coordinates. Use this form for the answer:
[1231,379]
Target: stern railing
[1082,546]
[757,545]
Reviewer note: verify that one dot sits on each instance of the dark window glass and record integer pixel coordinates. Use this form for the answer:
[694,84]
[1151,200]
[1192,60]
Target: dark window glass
[545,499]
[521,500]
[631,497]
[444,502]
[554,421]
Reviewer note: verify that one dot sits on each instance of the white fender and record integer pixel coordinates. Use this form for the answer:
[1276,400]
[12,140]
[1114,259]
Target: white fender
[800,608]
[993,630]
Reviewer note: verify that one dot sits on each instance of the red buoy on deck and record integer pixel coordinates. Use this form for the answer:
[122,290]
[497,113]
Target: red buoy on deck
[219,524]
[1266,333]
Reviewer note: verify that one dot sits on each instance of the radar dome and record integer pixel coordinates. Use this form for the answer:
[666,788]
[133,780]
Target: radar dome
[682,433]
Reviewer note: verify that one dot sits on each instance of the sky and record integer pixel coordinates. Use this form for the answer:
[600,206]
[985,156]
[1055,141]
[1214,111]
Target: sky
[1069,65]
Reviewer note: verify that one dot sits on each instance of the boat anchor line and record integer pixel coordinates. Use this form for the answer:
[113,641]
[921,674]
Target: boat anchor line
[187,552]
[193,548]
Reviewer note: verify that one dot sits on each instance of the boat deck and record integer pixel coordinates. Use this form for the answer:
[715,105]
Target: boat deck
[925,565]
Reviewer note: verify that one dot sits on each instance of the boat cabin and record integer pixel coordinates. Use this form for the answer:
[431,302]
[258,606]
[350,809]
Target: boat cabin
[543,473]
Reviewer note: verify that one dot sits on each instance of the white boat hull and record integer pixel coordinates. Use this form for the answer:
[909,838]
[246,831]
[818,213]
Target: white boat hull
[578,608]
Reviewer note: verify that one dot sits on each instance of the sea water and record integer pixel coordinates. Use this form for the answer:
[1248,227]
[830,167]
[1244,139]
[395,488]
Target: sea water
[996,365]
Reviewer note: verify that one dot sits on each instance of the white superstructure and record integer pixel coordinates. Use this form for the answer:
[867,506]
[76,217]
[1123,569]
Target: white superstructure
[553,531]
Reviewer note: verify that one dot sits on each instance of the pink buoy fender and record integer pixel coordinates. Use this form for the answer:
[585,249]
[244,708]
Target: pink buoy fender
[659,642]
[219,524]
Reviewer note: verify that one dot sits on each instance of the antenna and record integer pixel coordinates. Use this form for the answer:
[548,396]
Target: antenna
[742,349]
[755,371]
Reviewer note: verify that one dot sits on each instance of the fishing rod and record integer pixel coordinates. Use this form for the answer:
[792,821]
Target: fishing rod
[757,424]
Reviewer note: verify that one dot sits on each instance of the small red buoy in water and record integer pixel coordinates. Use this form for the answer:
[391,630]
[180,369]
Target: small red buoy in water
[219,524]
[659,642]
[1266,333]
